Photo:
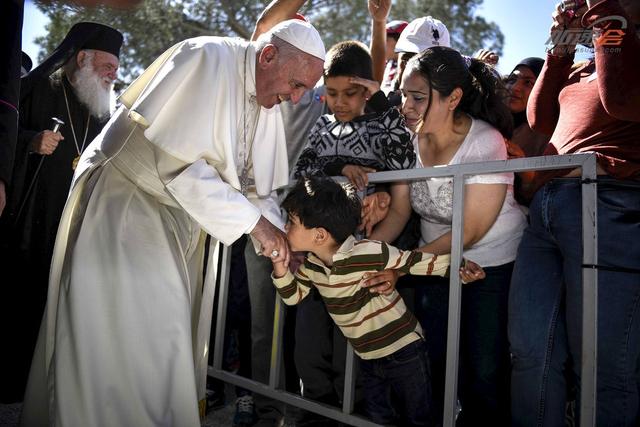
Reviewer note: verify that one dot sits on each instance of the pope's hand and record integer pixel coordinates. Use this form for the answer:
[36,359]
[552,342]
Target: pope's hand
[272,240]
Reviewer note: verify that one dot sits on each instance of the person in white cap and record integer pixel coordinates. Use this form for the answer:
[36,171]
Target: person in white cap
[196,148]
[421,34]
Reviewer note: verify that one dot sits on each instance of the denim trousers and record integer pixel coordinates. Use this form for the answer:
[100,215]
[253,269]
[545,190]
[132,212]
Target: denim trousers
[484,363]
[397,388]
[545,305]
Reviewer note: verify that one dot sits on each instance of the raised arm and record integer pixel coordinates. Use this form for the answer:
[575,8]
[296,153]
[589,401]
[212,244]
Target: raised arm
[379,11]
[276,12]
[543,108]
[617,68]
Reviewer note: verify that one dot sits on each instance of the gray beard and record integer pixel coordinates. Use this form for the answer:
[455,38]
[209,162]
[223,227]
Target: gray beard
[92,94]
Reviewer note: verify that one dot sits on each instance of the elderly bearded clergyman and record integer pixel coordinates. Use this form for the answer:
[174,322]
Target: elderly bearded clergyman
[196,147]
[74,83]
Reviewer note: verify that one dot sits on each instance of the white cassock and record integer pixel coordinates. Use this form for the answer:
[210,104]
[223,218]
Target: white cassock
[124,336]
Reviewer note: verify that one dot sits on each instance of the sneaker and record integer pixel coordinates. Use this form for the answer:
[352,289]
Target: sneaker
[215,400]
[245,415]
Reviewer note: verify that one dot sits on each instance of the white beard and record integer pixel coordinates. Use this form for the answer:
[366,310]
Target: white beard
[91,92]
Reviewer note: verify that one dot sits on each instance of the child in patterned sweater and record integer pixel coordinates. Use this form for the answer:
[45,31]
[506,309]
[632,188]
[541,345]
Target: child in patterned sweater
[322,217]
[350,142]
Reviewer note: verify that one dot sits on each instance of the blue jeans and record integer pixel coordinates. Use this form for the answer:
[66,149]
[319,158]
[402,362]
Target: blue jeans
[545,305]
[484,368]
[397,388]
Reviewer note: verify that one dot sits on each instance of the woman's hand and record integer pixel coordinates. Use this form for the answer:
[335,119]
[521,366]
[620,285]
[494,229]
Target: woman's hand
[357,175]
[470,272]
[381,282]
[375,208]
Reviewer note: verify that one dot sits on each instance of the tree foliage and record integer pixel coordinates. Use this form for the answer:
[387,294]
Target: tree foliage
[155,25]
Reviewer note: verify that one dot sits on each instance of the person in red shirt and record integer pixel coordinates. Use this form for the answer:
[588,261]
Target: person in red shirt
[591,107]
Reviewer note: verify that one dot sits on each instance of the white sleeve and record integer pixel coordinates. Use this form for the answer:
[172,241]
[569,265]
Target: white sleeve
[487,144]
[221,210]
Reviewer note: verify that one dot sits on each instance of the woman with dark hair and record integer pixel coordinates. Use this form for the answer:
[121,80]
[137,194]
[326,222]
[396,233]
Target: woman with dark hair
[455,108]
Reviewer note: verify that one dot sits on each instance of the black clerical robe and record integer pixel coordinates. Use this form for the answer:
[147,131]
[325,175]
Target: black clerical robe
[29,235]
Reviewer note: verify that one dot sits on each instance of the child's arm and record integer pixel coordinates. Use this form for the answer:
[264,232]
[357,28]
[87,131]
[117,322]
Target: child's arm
[292,289]
[388,132]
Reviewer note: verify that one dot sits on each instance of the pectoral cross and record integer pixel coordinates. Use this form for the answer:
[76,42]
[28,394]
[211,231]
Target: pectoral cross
[244,181]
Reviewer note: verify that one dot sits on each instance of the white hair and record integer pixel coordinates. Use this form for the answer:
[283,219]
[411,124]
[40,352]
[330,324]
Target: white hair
[286,50]
[90,88]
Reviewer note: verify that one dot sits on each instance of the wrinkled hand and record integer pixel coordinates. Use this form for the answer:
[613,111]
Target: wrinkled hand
[470,272]
[379,9]
[381,282]
[487,56]
[272,239]
[372,86]
[357,175]
[45,142]
[375,208]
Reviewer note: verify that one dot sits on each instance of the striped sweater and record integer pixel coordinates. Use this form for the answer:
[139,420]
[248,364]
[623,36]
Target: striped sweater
[375,325]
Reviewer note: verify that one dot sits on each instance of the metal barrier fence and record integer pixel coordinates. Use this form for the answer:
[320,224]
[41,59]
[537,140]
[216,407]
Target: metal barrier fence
[586,162]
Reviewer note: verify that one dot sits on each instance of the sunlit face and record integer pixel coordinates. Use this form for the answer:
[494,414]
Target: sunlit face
[415,101]
[281,79]
[300,238]
[105,65]
[519,84]
[346,100]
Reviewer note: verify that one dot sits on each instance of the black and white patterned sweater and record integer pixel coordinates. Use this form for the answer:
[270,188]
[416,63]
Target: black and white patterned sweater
[379,140]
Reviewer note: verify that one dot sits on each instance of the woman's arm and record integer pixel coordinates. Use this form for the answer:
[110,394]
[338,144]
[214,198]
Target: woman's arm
[399,212]
[482,205]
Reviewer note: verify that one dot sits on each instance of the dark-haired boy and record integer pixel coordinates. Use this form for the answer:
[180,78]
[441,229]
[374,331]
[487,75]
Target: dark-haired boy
[350,142]
[322,217]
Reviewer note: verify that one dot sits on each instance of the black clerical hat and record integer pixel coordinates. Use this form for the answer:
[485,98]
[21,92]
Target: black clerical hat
[83,35]
[26,63]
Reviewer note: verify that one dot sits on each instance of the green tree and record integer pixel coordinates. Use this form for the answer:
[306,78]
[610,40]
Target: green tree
[155,25]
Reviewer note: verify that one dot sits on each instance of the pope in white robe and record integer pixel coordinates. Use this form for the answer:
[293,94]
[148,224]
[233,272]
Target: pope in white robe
[124,337]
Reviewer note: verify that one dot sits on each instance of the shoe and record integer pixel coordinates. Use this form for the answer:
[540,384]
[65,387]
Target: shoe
[215,400]
[245,415]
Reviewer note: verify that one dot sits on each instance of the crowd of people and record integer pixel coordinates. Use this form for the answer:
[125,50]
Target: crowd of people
[113,215]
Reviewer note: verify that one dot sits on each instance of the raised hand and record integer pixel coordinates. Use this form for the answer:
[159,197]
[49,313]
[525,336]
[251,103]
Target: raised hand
[379,9]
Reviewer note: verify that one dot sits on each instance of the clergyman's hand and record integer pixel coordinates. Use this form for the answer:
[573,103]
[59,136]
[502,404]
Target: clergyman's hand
[45,142]
[273,241]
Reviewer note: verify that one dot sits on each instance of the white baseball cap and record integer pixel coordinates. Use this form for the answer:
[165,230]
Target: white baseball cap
[421,34]
[302,35]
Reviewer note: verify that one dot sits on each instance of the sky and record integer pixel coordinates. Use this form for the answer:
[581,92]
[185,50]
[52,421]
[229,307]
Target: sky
[525,25]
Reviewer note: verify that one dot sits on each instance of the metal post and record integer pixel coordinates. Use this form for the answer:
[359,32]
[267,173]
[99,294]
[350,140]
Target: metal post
[275,367]
[455,293]
[349,381]
[588,373]
[225,253]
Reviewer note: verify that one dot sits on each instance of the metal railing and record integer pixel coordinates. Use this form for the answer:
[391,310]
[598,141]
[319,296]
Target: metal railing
[586,162]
